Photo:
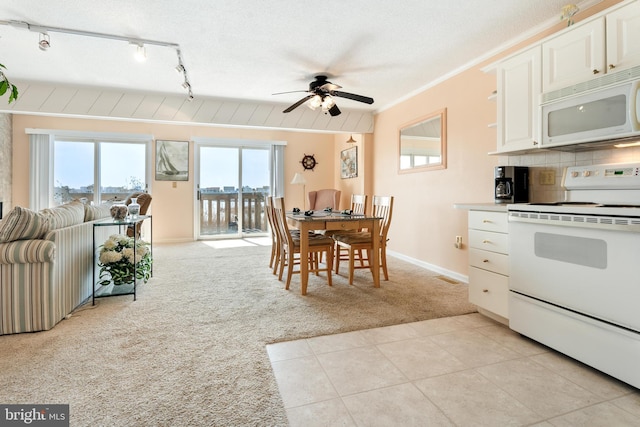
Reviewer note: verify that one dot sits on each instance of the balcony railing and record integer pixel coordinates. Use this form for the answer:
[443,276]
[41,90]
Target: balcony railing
[220,212]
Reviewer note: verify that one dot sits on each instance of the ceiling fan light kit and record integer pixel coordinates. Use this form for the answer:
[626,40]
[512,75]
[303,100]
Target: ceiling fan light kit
[321,95]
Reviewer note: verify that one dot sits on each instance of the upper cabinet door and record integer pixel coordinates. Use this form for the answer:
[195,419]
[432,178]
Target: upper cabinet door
[575,56]
[623,37]
[518,100]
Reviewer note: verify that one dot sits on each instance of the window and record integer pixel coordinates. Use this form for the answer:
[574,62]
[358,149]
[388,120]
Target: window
[98,171]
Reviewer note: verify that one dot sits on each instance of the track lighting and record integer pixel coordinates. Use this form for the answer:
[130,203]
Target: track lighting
[44,43]
[180,68]
[141,53]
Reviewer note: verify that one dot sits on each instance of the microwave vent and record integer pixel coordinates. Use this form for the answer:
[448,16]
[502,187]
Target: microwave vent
[606,80]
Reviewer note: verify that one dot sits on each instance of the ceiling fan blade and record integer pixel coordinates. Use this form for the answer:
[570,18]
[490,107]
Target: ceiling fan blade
[291,91]
[299,103]
[334,110]
[353,96]
[330,87]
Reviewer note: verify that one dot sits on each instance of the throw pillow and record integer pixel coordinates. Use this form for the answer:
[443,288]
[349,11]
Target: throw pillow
[91,212]
[23,224]
[66,215]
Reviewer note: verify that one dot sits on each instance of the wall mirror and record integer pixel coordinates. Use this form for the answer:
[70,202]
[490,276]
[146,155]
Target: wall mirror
[423,143]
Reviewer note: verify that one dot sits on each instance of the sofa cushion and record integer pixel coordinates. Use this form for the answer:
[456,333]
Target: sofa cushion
[91,212]
[27,251]
[22,223]
[66,215]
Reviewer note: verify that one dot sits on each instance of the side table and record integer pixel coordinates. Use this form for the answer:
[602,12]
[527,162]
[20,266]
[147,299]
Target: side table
[126,289]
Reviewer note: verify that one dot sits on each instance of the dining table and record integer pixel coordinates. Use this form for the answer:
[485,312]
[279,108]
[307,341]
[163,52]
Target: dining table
[334,221]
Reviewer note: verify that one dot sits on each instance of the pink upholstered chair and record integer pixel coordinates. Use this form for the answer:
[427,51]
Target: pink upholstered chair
[321,199]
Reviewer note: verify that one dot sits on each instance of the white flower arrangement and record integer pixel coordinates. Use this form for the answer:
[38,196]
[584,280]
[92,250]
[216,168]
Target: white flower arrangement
[116,260]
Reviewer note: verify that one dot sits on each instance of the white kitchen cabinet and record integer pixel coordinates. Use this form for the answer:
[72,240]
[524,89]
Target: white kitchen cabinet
[519,88]
[605,44]
[489,263]
[623,37]
[575,56]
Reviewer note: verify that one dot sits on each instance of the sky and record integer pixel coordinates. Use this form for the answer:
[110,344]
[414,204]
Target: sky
[73,165]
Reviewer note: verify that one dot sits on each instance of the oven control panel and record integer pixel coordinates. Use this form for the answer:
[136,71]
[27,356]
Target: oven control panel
[609,176]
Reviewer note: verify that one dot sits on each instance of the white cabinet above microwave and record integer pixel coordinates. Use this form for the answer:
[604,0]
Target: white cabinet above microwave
[609,43]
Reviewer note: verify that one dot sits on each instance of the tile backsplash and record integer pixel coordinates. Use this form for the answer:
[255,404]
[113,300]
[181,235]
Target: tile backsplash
[557,161]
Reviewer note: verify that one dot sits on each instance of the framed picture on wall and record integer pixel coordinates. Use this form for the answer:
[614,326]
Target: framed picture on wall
[349,163]
[172,160]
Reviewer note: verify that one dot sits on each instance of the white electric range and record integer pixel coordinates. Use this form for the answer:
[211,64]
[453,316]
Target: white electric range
[575,269]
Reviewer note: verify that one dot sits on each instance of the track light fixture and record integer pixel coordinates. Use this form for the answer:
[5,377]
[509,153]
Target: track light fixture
[180,68]
[141,54]
[44,43]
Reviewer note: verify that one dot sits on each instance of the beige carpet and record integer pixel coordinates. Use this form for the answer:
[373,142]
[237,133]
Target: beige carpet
[191,350]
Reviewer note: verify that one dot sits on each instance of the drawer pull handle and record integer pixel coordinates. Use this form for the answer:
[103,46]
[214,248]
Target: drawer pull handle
[485,290]
[486,221]
[485,260]
[486,241]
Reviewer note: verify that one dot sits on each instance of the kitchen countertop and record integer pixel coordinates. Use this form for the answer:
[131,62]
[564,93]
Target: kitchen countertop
[490,206]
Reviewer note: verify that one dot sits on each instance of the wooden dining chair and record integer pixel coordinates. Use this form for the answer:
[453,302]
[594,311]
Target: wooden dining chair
[275,237]
[382,207]
[358,207]
[289,251]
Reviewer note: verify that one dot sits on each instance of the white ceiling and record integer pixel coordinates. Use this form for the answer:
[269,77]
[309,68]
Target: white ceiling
[249,49]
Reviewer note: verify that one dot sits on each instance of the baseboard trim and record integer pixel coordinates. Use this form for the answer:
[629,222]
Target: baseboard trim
[452,274]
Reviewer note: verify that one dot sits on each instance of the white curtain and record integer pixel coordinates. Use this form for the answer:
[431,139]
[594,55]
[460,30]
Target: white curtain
[277,170]
[40,171]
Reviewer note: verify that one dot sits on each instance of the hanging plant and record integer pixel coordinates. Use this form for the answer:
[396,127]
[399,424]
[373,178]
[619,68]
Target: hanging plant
[6,85]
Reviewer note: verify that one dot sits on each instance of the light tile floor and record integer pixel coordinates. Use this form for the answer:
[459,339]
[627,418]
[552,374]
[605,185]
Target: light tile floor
[456,371]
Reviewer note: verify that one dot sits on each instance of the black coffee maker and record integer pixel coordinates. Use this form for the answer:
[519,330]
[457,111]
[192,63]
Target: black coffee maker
[511,184]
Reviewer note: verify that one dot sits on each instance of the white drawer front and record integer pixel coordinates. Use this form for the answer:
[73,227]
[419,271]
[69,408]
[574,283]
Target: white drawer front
[492,261]
[489,291]
[488,241]
[489,221]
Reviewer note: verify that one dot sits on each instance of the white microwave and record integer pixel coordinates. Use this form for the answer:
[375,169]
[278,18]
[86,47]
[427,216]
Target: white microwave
[607,113]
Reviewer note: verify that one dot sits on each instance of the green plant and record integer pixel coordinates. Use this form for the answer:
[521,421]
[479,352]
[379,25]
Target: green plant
[116,260]
[6,85]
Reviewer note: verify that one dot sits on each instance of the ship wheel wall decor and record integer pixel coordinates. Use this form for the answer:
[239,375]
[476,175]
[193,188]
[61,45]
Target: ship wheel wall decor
[308,162]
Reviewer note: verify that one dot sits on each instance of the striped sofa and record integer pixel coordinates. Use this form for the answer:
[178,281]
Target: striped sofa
[46,266]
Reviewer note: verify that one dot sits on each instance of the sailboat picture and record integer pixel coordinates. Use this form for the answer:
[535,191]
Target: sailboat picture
[172,160]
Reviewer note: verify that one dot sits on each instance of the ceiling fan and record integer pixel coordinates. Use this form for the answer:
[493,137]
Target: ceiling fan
[321,93]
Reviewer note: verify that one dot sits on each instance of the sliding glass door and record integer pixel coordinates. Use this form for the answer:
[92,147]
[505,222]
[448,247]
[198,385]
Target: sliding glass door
[233,182]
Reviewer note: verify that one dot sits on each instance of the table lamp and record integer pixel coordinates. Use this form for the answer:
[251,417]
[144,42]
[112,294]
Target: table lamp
[298,179]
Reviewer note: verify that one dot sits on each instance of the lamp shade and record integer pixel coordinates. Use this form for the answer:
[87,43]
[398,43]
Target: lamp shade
[298,178]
